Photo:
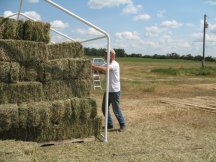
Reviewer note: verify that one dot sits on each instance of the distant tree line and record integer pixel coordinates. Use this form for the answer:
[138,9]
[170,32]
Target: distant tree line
[121,53]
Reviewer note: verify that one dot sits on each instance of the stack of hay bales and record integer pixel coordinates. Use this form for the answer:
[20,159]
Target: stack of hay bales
[44,88]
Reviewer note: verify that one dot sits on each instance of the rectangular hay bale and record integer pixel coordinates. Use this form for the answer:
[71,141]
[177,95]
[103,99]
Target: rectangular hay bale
[37,31]
[21,92]
[65,50]
[11,29]
[8,117]
[9,72]
[23,51]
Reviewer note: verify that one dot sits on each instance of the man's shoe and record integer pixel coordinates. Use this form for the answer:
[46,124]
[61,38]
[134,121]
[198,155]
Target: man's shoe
[109,127]
[122,129]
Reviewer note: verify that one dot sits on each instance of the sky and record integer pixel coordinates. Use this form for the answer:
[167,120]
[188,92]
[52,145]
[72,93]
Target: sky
[146,27]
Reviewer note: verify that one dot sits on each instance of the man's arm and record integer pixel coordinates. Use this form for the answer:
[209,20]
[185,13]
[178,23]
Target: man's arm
[103,69]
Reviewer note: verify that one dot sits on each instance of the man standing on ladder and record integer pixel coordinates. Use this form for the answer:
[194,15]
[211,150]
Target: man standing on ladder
[114,90]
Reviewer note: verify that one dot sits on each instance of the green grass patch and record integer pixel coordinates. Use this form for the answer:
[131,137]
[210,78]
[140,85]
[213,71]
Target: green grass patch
[210,71]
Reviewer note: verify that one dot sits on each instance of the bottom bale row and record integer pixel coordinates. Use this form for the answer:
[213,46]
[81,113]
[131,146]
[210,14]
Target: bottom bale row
[48,121]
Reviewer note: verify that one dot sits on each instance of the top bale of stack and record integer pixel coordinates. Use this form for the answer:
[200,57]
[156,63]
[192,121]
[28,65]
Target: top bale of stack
[28,30]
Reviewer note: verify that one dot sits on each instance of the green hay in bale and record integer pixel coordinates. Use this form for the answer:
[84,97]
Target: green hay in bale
[48,121]
[58,111]
[89,106]
[65,50]
[8,117]
[14,72]
[9,72]
[4,71]
[63,89]
[57,90]
[37,31]
[11,29]
[31,71]
[21,92]
[23,51]
[56,70]
[80,69]
[81,88]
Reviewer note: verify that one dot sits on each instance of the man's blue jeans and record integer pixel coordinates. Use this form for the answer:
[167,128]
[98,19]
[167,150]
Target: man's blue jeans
[114,98]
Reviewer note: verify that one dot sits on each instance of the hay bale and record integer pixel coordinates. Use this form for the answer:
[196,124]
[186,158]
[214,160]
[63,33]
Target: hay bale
[56,70]
[65,50]
[11,29]
[14,72]
[4,71]
[48,121]
[31,71]
[57,90]
[63,89]
[21,92]
[9,72]
[8,117]
[81,88]
[37,31]
[79,69]
[23,51]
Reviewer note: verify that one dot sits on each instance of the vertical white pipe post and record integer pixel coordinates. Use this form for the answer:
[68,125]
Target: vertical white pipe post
[20,6]
[107,90]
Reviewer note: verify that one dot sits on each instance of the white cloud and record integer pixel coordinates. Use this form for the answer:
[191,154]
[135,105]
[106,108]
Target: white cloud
[32,14]
[171,24]
[108,3]
[141,17]
[131,9]
[161,13]
[8,13]
[184,45]
[33,1]
[127,35]
[212,28]
[153,30]
[59,24]
[211,2]
[89,31]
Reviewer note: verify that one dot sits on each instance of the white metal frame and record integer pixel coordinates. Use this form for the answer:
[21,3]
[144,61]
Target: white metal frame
[105,35]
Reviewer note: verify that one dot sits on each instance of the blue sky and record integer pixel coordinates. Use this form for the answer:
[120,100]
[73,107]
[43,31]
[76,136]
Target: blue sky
[138,26]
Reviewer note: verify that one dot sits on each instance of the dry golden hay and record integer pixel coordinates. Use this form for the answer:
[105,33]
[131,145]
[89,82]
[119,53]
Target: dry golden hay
[65,50]
[21,92]
[28,30]
[24,52]
[47,121]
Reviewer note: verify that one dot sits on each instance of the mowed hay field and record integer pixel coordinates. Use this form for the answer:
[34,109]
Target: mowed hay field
[169,110]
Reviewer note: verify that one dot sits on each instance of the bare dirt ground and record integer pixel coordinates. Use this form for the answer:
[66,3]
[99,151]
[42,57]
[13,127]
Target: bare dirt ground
[172,123]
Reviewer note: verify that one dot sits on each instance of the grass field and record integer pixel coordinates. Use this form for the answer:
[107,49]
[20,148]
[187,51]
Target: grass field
[166,117]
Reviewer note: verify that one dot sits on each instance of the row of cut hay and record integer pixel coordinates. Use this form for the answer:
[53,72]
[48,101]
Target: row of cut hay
[28,30]
[35,91]
[61,69]
[23,51]
[28,51]
[56,90]
[65,69]
[21,92]
[46,121]
[65,50]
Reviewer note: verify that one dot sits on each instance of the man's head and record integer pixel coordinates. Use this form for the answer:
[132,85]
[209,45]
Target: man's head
[112,54]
